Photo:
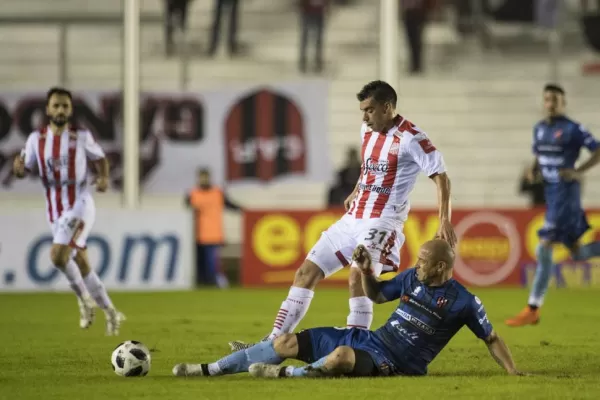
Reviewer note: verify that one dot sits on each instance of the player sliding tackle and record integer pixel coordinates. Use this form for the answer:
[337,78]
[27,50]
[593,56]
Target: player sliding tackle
[557,141]
[394,152]
[433,308]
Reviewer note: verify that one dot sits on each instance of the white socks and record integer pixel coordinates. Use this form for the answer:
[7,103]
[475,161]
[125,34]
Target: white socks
[361,313]
[97,290]
[292,310]
[75,280]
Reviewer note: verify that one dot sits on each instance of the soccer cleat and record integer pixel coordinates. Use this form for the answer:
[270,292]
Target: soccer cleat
[87,312]
[113,321]
[238,345]
[527,316]
[262,370]
[188,370]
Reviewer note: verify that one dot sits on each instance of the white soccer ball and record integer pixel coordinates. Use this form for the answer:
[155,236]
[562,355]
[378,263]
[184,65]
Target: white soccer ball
[131,358]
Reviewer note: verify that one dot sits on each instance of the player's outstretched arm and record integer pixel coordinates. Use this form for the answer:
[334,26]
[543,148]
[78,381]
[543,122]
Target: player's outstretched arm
[446,231]
[500,352]
[371,285]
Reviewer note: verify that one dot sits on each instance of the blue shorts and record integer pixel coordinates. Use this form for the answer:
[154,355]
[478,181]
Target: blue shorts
[565,229]
[326,340]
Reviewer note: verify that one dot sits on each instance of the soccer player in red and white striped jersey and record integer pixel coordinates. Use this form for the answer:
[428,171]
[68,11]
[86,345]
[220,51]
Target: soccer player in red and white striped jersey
[60,153]
[394,153]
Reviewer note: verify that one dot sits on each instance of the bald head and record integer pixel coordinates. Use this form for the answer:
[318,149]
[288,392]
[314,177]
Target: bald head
[435,262]
[438,250]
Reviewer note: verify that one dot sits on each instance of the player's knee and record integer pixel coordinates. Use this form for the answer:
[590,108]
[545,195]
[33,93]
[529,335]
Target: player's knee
[308,275]
[82,263]
[286,345]
[59,254]
[342,359]
[544,251]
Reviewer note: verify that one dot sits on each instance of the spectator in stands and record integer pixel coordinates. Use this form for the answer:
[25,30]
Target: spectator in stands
[346,179]
[546,13]
[414,14]
[340,190]
[216,26]
[313,14]
[532,185]
[175,17]
[208,203]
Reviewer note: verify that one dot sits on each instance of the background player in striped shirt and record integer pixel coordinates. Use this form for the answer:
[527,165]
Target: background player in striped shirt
[433,307]
[60,152]
[394,152]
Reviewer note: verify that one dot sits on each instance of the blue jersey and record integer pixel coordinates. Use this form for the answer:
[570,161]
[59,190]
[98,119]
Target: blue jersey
[557,145]
[426,319]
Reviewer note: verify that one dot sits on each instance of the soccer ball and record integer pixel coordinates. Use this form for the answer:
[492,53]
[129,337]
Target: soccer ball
[131,358]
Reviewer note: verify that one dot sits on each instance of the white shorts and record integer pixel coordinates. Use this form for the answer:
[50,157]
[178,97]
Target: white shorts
[383,237]
[74,225]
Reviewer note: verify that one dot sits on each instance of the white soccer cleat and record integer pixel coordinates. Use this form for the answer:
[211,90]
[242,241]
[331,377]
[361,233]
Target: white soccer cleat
[262,370]
[188,370]
[113,321]
[238,345]
[87,312]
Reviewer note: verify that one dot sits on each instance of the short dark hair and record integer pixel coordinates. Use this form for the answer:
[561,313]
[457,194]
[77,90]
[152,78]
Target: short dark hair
[59,91]
[380,91]
[553,87]
[203,171]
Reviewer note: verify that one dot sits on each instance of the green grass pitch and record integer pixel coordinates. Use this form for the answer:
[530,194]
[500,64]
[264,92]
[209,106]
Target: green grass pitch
[44,354]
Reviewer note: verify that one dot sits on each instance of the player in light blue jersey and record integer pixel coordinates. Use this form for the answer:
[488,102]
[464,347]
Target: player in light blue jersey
[557,142]
[433,307]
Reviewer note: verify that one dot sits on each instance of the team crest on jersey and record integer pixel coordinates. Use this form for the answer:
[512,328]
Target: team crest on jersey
[395,148]
[558,134]
[441,302]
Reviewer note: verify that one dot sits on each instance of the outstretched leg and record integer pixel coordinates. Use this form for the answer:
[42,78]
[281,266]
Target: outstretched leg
[271,352]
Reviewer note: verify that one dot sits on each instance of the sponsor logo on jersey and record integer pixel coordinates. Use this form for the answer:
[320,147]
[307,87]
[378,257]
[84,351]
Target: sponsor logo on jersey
[416,322]
[376,166]
[554,161]
[375,188]
[419,306]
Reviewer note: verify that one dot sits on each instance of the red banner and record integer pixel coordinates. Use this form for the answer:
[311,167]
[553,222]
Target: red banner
[494,245]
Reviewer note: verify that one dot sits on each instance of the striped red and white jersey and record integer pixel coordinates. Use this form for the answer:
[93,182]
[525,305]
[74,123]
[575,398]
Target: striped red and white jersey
[391,163]
[61,160]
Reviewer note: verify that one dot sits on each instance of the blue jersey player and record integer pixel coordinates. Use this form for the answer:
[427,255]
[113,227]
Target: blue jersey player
[433,307]
[557,142]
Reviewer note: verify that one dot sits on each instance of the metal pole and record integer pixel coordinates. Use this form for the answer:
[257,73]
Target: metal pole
[185,64]
[388,40]
[555,42]
[63,69]
[131,114]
